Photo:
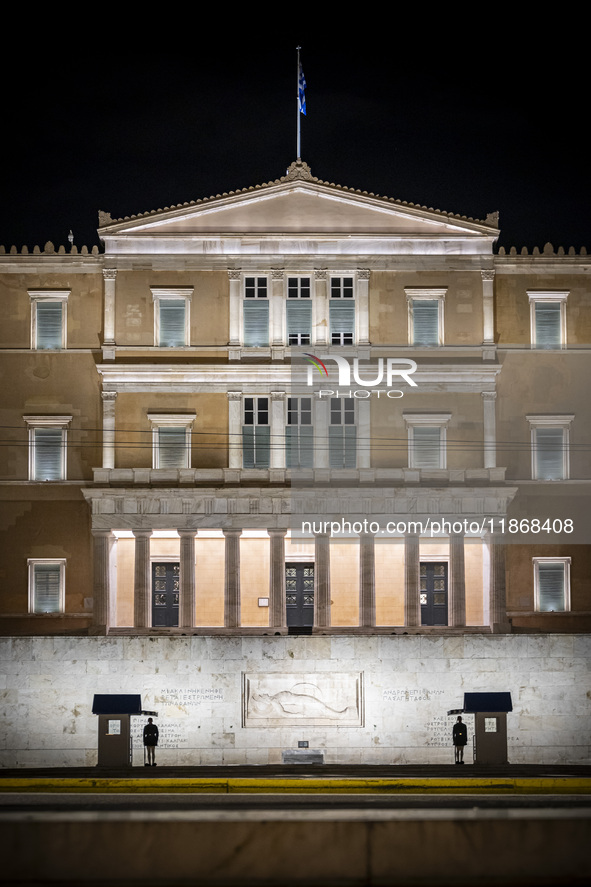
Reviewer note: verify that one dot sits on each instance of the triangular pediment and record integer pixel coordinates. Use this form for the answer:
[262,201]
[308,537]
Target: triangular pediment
[297,205]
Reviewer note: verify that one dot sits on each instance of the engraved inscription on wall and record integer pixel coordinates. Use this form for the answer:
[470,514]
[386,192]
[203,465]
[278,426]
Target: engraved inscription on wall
[171,735]
[318,700]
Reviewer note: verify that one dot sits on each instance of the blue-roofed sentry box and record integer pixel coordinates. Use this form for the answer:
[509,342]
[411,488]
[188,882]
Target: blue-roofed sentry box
[114,734]
[490,725]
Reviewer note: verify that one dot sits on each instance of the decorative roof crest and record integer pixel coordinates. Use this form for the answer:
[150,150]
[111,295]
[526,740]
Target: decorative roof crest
[298,170]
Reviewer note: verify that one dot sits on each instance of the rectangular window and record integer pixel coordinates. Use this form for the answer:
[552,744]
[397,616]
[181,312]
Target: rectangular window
[47,447]
[342,311]
[171,439]
[48,319]
[427,439]
[425,315]
[255,287]
[552,584]
[299,433]
[550,446]
[342,433]
[46,585]
[299,322]
[298,287]
[548,319]
[172,316]
[256,433]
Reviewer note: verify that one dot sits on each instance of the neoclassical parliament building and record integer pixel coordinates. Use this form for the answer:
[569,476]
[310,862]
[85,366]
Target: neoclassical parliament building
[296,463]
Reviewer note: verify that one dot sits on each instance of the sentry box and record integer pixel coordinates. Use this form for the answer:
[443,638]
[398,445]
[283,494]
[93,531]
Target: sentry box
[114,733]
[490,725]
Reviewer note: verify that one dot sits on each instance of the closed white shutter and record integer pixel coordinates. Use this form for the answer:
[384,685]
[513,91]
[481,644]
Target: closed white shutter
[299,446]
[426,447]
[256,323]
[342,322]
[547,315]
[551,591]
[172,448]
[49,324]
[172,322]
[549,453]
[425,315]
[256,445]
[46,579]
[299,322]
[48,453]
[342,443]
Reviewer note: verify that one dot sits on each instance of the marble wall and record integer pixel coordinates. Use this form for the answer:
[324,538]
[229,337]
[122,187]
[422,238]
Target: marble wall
[390,694]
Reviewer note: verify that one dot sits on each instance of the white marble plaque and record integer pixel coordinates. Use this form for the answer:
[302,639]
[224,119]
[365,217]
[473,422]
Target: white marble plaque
[315,700]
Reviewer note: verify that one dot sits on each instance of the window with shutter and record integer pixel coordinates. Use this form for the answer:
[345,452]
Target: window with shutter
[173,449]
[548,318]
[47,447]
[172,320]
[299,433]
[552,584]
[299,322]
[48,319]
[426,447]
[425,321]
[256,323]
[549,453]
[342,322]
[46,585]
[256,433]
[550,437]
[172,323]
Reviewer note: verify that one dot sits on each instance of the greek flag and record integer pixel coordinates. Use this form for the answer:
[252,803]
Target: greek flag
[302,91]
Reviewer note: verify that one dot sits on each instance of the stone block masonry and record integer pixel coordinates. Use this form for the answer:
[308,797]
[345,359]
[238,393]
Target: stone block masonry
[366,700]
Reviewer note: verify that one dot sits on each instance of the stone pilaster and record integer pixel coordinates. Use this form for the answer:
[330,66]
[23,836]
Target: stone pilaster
[488,307]
[367,581]
[109,398]
[102,544]
[322,581]
[457,585]
[490,429]
[412,611]
[362,307]
[235,307]
[277,308]
[277,613]
[232,579]
[187,579]
[109,277]
[235,429]
[142,617]
[320,308]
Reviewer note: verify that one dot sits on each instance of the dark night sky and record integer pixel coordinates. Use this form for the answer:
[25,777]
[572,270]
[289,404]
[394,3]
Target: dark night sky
[468,121]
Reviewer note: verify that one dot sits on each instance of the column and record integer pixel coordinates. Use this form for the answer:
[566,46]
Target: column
[109,398]
[102,544]
[142,616]
[488,307]
[499,622]
[322,581]
[277,614]
[362,307]
[109,277]
[234,429]
[232,579]
[367,581]
[320,309]
[457,589]
[490,429]
[187,579]
[412,612]
[276,308]
[277,429]
[235,307]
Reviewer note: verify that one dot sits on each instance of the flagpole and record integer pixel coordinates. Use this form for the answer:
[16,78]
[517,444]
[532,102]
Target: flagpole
[298,151]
